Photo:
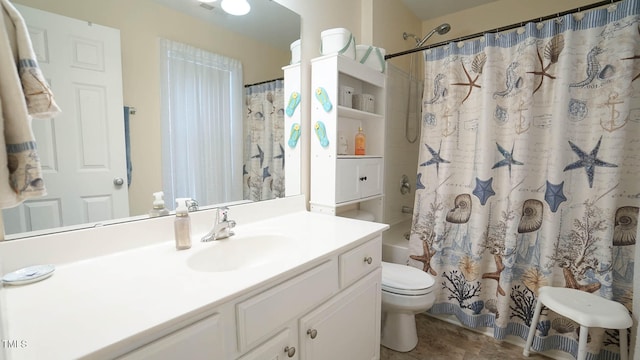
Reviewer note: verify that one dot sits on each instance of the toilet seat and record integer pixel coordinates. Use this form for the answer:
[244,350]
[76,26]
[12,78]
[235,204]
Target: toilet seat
[405,280]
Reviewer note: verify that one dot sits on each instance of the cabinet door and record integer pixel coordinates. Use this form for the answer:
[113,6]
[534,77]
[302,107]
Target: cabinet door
[279,347]
[358,178]
[347,326]
[202,340]
[370,177]
[347,182]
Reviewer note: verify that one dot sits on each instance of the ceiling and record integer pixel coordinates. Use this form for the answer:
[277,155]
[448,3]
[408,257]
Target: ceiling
[429,9]
[261,23]
[267,21]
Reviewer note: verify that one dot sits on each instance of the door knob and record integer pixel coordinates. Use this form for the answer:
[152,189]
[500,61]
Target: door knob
[118,181]
[290,351]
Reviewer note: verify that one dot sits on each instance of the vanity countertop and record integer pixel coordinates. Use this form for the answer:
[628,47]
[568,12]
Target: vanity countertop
[95,305]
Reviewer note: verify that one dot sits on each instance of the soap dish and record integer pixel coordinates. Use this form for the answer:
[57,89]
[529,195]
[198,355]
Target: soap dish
[28,275]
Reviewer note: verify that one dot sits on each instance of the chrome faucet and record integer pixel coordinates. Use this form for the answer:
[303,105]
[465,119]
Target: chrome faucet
[222,227]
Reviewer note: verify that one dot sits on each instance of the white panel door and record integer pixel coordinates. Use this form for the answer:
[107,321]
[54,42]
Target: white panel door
[82,150]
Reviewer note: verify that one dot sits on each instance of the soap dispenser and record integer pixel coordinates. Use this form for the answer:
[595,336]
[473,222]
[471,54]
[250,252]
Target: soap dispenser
[158,208]
[182,224]
[360,142]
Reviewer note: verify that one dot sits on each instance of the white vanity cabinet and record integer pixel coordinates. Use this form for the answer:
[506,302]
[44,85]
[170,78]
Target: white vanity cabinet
[334,307]
[340,179]
[330,311]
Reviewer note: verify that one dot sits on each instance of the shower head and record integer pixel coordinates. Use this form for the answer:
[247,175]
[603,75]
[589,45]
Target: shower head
[441,30]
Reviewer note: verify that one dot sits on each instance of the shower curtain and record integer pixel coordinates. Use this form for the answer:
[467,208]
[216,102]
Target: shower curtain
[528,173]
[263,168]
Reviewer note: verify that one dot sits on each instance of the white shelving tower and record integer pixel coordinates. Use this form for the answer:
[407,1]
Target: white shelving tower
[341,182]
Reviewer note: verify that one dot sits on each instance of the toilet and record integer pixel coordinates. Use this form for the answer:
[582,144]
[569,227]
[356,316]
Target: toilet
[406,291]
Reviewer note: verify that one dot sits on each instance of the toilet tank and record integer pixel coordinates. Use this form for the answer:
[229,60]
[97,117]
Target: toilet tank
[395,243]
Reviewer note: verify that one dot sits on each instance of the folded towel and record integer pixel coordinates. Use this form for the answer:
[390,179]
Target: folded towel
[40,102]
[20,171]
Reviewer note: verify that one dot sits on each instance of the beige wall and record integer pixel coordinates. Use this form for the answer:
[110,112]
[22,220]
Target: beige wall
[141,23]
[497,14]
[391,19]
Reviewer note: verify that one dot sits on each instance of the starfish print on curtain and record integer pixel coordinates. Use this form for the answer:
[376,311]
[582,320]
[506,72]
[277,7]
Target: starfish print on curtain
[552,53]
[588,161]
[554,195]
[477,66]
[508,158]
[483,190]
[435,158]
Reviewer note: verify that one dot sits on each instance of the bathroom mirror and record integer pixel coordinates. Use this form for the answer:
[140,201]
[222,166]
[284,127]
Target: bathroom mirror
[259,40]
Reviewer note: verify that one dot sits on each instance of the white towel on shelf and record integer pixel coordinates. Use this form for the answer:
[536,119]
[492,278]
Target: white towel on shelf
[20,171]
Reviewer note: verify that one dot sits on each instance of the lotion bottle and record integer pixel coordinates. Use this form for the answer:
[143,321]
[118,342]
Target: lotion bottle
[158,208]
[182,224]
[360,142]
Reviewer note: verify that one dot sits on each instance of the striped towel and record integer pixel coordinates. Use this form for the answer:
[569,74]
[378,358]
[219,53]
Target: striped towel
[24,94]
[40,102]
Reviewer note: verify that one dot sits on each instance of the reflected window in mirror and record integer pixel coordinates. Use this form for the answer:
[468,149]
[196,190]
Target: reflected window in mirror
[201,124]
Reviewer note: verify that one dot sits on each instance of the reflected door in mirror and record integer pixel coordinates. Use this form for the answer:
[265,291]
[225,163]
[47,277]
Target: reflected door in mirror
[82,150]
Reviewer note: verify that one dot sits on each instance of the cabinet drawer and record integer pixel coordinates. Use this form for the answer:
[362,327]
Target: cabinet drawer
[201,340]
[354,264]
[267,312]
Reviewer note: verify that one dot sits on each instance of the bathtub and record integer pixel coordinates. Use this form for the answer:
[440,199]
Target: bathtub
[395,243]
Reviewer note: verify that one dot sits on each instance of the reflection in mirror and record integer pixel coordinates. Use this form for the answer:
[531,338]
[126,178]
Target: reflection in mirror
[79,142]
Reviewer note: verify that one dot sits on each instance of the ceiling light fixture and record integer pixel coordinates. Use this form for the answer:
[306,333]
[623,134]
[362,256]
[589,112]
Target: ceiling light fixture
[236,7]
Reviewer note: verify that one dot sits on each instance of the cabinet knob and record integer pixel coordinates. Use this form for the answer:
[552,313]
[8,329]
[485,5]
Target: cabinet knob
[363,178]
[368,260]
[312,333]
[290,351]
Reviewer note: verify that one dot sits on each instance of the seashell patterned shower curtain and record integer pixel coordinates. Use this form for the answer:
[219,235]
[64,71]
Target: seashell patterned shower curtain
[528,172]
[263,167]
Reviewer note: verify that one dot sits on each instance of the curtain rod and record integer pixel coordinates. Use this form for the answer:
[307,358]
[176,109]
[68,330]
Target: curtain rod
[264,82]
[503,28]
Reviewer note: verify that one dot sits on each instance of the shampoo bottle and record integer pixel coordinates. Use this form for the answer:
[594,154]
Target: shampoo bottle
[360,142]
[182,224]
[158,208]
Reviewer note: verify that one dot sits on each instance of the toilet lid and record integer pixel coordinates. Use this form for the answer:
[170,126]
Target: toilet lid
[405,280]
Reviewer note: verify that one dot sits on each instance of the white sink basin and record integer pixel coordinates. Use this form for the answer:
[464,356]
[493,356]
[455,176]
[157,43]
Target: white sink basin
[241,252]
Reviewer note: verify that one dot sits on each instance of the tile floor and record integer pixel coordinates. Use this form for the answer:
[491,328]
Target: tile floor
[440,340]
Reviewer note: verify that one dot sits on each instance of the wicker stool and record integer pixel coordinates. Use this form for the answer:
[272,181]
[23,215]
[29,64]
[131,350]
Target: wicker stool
[586,309]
